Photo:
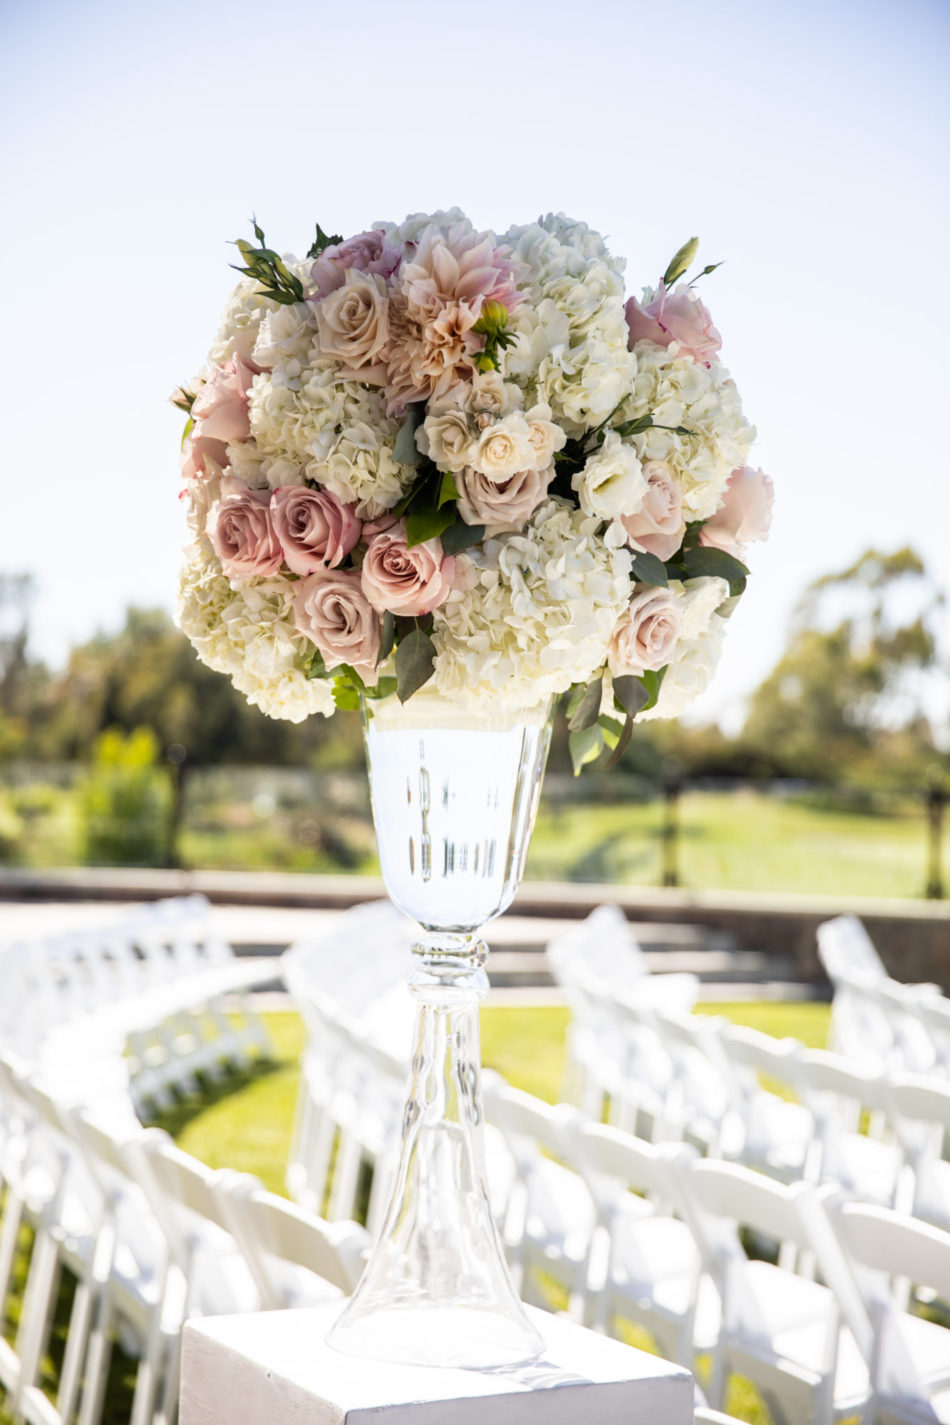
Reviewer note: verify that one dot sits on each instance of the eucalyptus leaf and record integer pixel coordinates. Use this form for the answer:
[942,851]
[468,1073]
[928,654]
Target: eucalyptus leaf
[427,523]
[405,449]
[585,746]
[648,569]
[387,637]
[318,668]
[623,742]
[707,562]
[611,729]
[681,261]
[631,693]
[653,682]
[588,709]
[415,661]
[461,536]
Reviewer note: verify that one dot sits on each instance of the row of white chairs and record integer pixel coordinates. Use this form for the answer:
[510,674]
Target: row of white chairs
[150,1238]
[625,1230]
[874,1018]
[136,1010]
[639,1058]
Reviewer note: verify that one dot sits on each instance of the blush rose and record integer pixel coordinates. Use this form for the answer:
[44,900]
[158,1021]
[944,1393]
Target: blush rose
[404,580]
[314,527]
[242,533]
[646,633]
[677,316]
[658,525]
[331,610]
[745,514]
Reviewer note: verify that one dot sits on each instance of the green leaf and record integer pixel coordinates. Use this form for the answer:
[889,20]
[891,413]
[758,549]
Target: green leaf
[461,536]
[427,523]
[448,490]
[728,607]
[405,449]
[611,729]
[707,562]
[623,742]
[585,746]
[382,689]
[322,241]
[680,261]
[647,569]
[415,661]
[653,682]
[631,693]
[189,427]
[387,637]
[588,709]
[345,696]
[318,668]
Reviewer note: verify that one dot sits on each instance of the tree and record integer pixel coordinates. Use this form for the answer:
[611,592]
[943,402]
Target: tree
[849,694]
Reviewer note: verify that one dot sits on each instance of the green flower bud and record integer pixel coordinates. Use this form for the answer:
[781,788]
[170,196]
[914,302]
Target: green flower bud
[494,317]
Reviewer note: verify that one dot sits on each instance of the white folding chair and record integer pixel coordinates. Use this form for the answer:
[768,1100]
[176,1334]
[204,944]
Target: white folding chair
[921,1115]
[840,1094]
[780,1330]
[297,1259]
[645,1264]
[909,1356]
[549,1225]
[765,1130]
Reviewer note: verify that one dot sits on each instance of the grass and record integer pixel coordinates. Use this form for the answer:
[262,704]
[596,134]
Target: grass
[743,841]
[746,840]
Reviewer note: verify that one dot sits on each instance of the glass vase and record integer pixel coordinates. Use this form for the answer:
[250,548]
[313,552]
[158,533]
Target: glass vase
[454,802]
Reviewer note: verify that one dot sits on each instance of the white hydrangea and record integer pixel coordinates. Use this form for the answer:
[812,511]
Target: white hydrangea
[537,616]
[677,391]
[285,336]
[237,335]
[247,631]
[410,228]
[570,346]
[698,647]
[337,431]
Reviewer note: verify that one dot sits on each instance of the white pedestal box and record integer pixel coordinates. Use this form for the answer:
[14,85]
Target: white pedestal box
[275,1368]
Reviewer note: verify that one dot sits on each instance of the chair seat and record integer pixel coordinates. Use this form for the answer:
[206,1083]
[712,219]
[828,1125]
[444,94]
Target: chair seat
[865,1166]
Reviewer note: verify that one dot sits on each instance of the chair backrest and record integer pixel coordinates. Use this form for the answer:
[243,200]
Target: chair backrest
[717,1199]
[268,1226]
[921,1099]
[847,952]
[612,1162]
[752,1055]
[603,945]
[895,1245]
[522,1118]
[826,1074]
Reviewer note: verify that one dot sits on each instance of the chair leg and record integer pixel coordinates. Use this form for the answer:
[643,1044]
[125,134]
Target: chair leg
[39,1299]
[98,1356]
[80,1322]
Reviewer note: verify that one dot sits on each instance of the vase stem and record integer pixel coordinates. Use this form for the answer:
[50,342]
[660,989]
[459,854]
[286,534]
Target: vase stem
[436,1289]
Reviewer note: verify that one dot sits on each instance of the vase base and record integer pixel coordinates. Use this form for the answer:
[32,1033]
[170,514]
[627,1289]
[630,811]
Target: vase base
[431,1334]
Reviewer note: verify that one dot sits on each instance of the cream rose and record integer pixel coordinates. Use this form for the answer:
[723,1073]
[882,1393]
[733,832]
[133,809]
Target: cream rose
[504,448]
[331,610]
[242,532]
[353,326]
[658,526]
[504,505]
[612,483]
[448,439]
[404,580]
[646,633]
[545,436]
[314,527]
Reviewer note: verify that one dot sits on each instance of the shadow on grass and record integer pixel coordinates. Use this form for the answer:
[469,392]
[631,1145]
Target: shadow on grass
[212,1089]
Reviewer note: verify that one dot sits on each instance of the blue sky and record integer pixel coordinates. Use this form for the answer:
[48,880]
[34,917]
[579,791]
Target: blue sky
[805,143]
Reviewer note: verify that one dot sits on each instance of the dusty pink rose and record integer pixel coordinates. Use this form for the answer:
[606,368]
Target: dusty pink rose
[331,610]
[242,532]
[194,453]
[353,327]
[677,316]
[504,505]
[366,252]
[403,580]
[314,527]
[658,525]
[377,525]
[220,408]
[646,633]
[745,514]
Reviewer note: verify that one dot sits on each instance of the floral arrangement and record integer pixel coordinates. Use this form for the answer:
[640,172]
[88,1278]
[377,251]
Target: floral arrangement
[428,455]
